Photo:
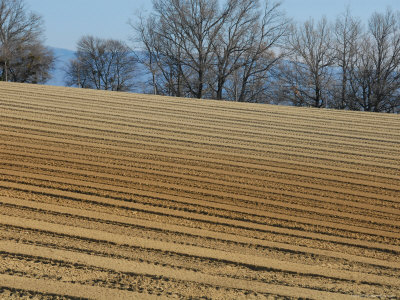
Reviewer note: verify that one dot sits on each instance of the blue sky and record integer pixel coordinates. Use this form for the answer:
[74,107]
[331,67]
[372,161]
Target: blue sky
[67,20]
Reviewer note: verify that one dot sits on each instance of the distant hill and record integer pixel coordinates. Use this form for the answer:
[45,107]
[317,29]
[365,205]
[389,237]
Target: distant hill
[62,57]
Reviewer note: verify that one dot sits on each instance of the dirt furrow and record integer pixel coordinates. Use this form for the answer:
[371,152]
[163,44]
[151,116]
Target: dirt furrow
[21,145]
[148,193]
[213,157]
[138,184]
[294,238]
[29,264]
[275,134]
[69,289]
[201,142]
[209,221]
[253,182]
[169,147]
[203,265]
[180,123]
[336,190]
[105,217]
[197,251]
[215,287]
[279,172]
[224,109]
[224,214]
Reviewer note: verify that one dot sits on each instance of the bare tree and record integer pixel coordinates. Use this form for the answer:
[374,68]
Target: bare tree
[178,38]
[193,48]
[265,37]
[31,63]
[102,64]
[232,42]
[375,75]
[244,50]
[309,73]
[361,75]
[161,57]
[23,55]
[147,53]
[347,35]
[184,31]
[385,52]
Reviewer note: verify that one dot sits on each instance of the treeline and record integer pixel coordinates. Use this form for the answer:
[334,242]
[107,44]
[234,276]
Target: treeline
[251,52]
[238,50]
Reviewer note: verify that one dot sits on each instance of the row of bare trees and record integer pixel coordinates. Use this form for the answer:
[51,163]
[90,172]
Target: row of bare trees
[343,65]
[23,56]
[249,51]
[198,49]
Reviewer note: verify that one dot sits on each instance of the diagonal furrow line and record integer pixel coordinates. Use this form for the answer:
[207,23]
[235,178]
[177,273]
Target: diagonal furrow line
[200,217]
[197,251]
[124,181]
[193,231]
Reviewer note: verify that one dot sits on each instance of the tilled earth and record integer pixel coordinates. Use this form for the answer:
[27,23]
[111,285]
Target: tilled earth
[120,196]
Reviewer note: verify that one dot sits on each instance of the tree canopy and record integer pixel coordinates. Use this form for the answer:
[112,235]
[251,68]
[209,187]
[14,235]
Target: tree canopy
[102,64]
[23,56]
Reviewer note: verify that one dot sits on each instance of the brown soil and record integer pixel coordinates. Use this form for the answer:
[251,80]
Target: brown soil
[125,196]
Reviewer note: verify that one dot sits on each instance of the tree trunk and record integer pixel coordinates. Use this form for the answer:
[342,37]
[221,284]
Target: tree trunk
[6,69]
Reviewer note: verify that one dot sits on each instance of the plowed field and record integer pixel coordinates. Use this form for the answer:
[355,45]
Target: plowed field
[124,196]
